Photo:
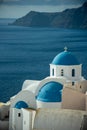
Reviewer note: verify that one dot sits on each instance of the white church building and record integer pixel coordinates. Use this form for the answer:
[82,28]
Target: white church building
[65,88]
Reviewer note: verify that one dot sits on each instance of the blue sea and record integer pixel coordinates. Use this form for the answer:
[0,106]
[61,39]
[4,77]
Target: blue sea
[25,53]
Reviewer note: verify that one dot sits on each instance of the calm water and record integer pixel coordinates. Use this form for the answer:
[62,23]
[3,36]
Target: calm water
[25,53]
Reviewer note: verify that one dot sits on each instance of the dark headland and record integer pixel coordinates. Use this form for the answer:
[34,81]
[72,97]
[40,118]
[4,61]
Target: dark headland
[69,18]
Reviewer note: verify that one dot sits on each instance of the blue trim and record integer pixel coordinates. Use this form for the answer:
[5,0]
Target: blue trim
[50,92]
[65,58]
[21,104]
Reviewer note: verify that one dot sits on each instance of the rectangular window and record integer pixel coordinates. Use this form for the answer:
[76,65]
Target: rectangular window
[52,72]
[73,72]
[73,83]
[62,72]
[19,114]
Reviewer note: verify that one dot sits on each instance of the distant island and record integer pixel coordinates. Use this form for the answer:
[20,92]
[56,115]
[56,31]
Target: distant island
[5,21]
[69,18]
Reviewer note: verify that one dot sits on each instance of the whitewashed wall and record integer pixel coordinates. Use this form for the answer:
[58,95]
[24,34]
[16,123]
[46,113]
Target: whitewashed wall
[48,119]
[58,119]
[15,122]
[72,99]
[27,119]
[67,71]
[25,96]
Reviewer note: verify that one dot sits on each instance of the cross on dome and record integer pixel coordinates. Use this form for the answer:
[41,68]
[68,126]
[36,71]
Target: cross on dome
[65,48]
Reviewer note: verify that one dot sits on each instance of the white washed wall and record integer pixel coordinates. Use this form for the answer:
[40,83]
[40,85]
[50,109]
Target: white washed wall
[67,71]
[58,119]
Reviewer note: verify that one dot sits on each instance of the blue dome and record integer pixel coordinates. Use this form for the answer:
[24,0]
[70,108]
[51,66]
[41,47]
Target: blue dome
[50,92]
[65,58]
[21,104]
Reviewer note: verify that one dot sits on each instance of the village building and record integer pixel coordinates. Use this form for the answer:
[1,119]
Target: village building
[64,90]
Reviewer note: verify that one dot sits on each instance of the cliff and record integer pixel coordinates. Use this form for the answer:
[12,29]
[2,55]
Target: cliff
[69,18]
[4,116]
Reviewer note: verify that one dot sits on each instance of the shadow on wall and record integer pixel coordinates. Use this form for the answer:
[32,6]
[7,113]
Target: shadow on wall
[4,125]
[84,123]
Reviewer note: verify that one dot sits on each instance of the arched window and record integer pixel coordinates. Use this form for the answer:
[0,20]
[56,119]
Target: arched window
[52,72]
[62,72]
[73,72]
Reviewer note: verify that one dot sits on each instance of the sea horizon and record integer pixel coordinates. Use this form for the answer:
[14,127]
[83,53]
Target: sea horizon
[25,53]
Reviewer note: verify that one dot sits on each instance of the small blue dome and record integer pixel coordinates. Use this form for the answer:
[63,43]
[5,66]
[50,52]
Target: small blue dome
[50,92]
[21,104]
[65,58]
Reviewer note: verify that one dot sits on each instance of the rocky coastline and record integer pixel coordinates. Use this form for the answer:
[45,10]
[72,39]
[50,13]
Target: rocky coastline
[4,115]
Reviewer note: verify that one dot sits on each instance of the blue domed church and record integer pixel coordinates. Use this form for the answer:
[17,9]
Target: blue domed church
[61,89]
[65,66]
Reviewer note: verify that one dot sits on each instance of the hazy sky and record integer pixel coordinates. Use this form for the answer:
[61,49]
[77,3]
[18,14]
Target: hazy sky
[18,8]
